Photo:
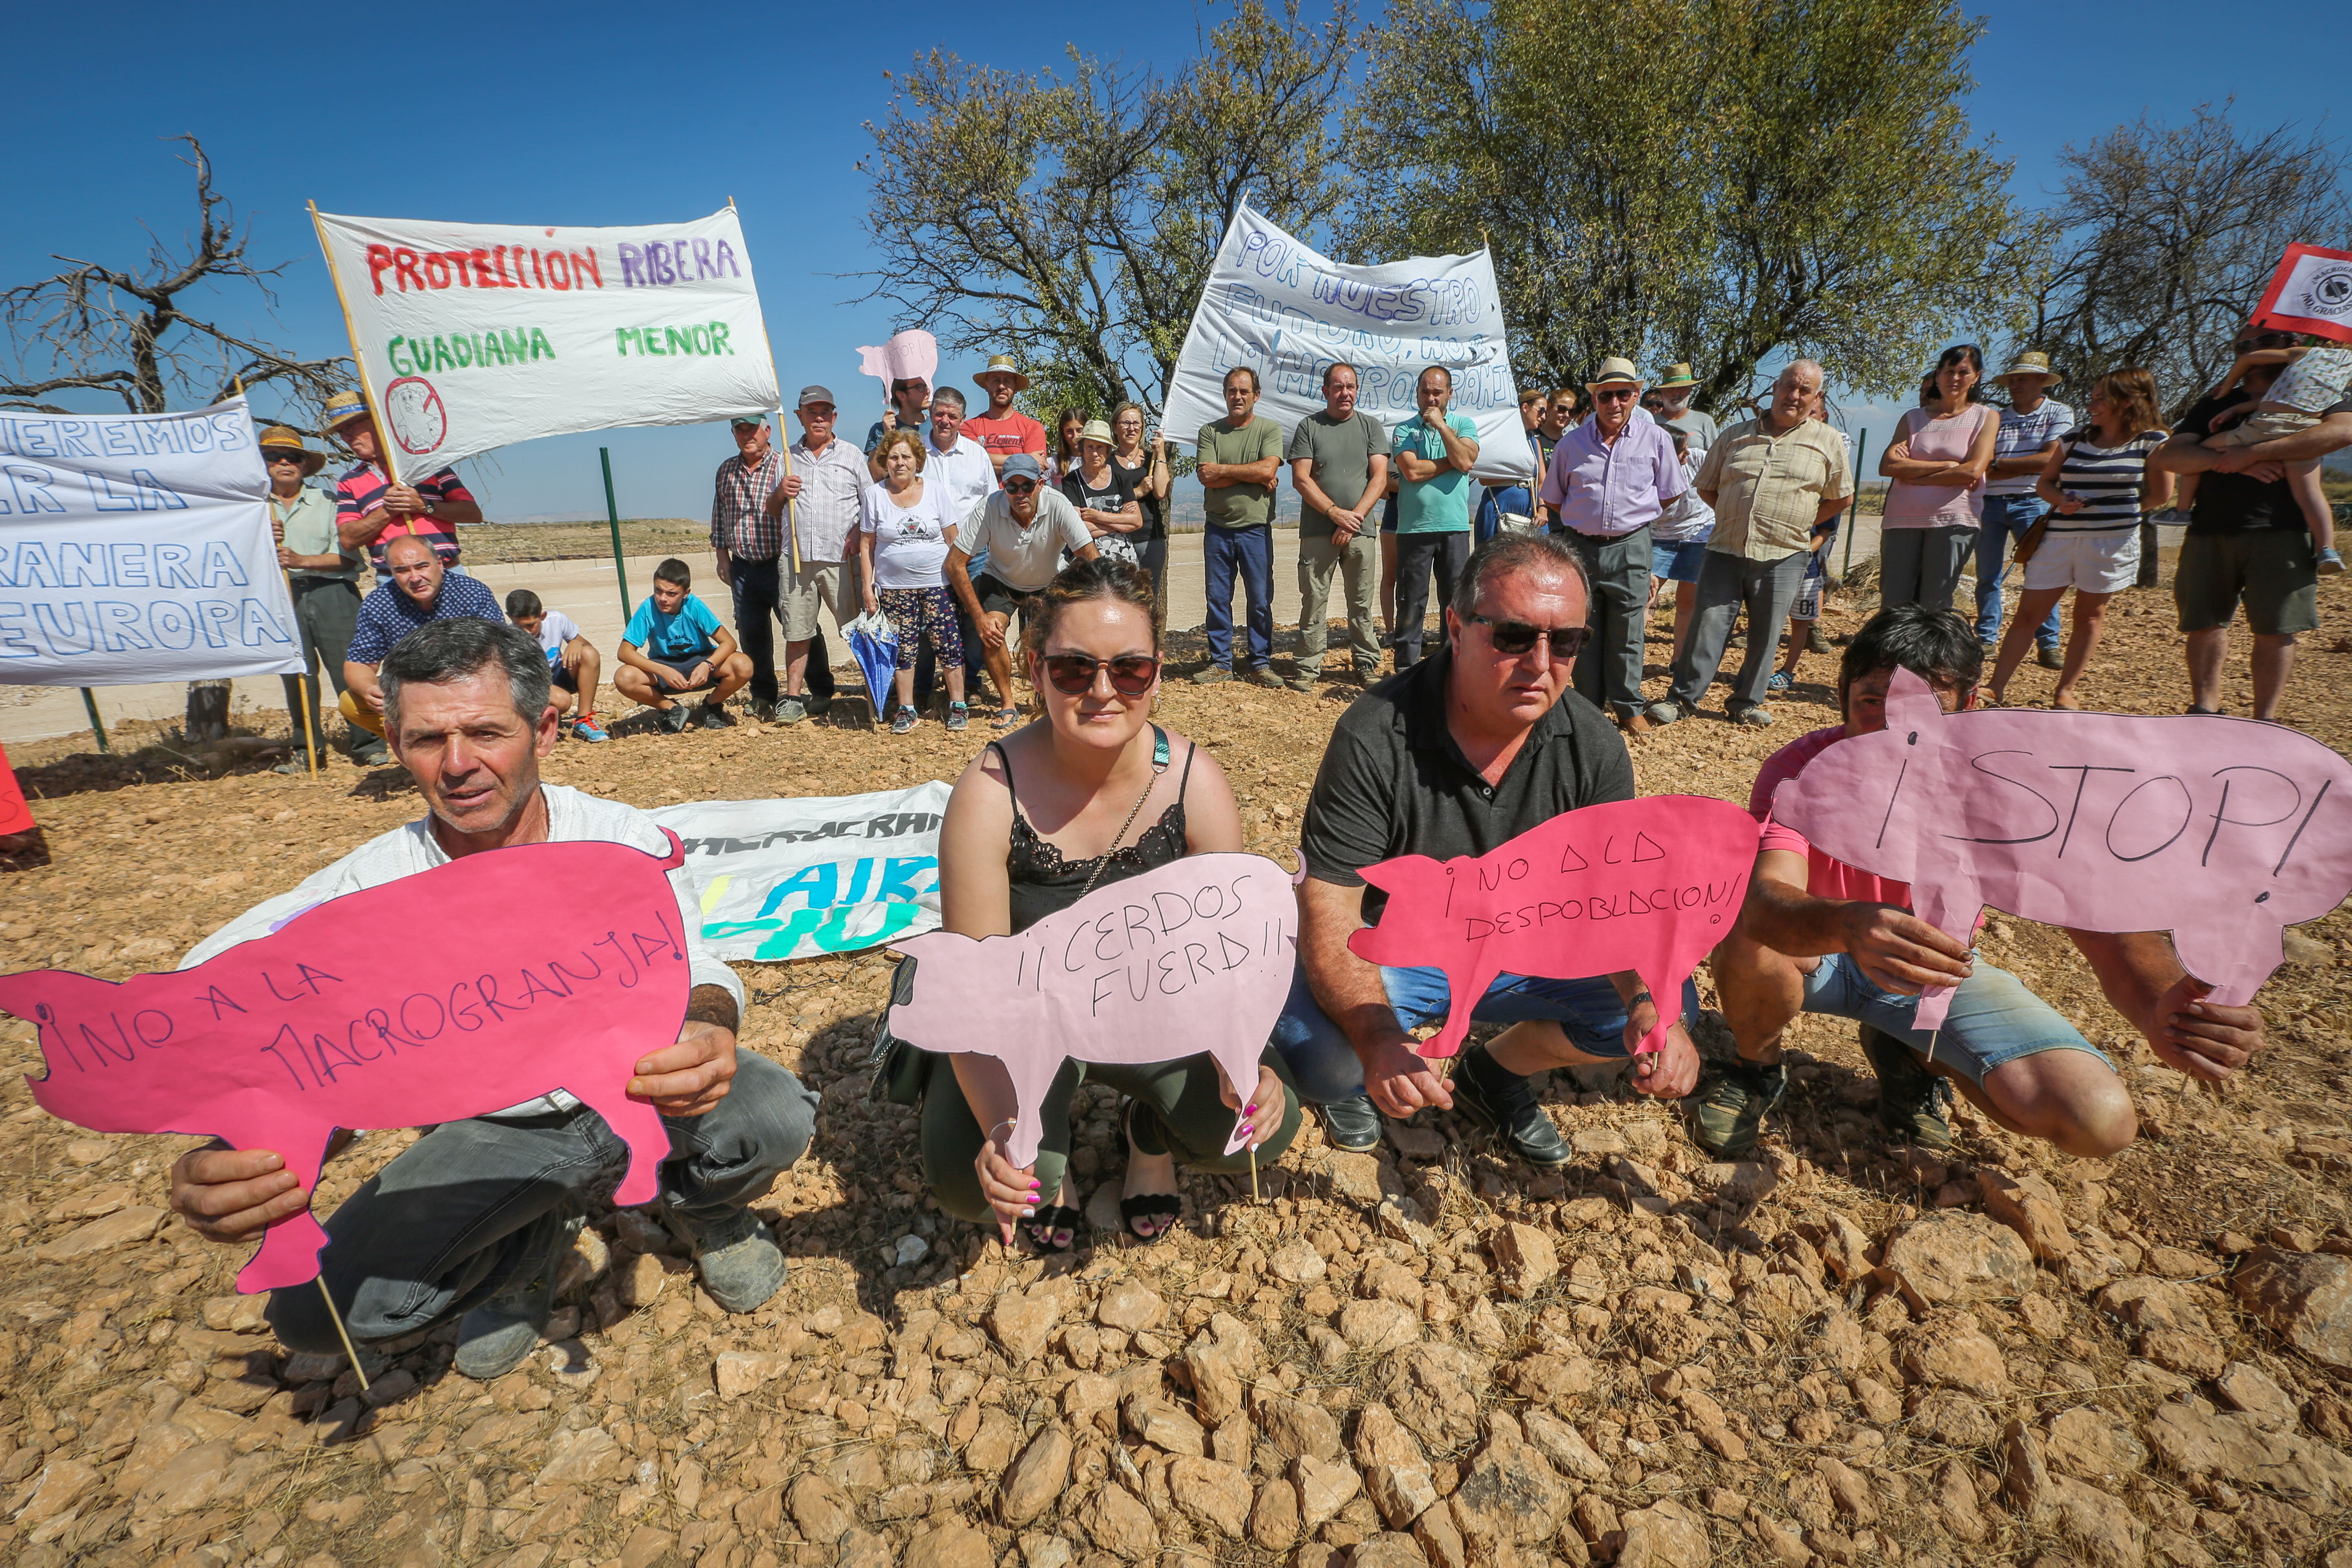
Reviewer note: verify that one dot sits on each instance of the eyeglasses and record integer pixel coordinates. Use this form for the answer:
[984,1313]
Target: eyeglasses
[1019,487]
[1516,638]
[1073,674]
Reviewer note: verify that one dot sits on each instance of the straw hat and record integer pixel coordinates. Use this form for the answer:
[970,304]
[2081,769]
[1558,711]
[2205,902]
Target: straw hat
[1097,430]
[282,439]
[2033,362]
[342,409]
[1003,364]
[1615,371]
[1677,375]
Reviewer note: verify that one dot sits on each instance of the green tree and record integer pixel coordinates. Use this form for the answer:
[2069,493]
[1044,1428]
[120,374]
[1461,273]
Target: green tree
[1073,222]
[1716,181]
[2168,235]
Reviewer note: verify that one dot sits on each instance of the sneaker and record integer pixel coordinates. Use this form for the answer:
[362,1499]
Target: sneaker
[374,754]
[1913,1104]
[714,717]
[1212,675]
[741,1264]
[494,1338]
[2330,563]
[1512,1113]
[1005,718]
[958,715]
[1264,675]
[1817,640]
[790,711]
[1733,1108]
[1750,713]
[1351,1124]
[1781,680]
[1304,681]
[1664,711]
[586,728]
[817,703]
[902,721]
[1366,674]
[2049,657]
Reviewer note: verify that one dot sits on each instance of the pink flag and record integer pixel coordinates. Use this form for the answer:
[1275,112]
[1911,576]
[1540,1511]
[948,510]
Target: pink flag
[479,985]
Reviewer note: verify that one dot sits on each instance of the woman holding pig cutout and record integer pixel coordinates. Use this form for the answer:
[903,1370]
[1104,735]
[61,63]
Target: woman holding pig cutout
[1091,793]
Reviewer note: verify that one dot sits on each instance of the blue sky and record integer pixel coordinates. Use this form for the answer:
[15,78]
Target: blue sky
[587,113]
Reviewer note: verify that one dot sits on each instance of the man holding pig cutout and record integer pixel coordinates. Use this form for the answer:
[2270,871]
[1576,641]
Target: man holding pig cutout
[1456,756]
[1820,936]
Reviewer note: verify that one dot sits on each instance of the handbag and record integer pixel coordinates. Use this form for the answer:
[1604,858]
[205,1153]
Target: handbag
[2030,540]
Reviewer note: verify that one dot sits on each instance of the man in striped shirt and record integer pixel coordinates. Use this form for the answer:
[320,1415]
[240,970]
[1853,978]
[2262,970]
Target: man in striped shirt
[2030,428]
[370,511]
[748,540]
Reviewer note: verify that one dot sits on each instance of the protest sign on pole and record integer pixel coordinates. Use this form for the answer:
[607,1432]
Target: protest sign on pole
[2311,292]
[474,336]
[797,879]
[136,547]
[1274,305]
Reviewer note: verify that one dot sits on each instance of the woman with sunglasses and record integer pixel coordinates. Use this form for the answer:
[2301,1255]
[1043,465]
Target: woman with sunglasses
[1938,460]
[904,536]
[1092,793]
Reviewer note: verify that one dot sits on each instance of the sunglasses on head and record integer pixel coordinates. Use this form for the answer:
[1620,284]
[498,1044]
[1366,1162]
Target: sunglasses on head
[1516,638]
[1073,674]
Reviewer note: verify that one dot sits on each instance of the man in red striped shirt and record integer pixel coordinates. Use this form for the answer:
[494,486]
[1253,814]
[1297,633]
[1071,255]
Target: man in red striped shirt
[373,511]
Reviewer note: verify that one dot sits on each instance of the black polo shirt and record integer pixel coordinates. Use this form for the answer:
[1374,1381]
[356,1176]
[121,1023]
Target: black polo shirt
[1394,783]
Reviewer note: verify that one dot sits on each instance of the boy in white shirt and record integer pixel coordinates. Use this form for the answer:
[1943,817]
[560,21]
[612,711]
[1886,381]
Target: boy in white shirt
[574,665]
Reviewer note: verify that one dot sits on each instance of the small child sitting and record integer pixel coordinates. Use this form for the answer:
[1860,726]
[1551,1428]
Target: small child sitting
[574,665]
[2309,381]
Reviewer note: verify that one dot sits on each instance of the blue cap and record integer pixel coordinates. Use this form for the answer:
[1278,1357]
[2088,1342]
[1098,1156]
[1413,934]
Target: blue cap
[1024,463]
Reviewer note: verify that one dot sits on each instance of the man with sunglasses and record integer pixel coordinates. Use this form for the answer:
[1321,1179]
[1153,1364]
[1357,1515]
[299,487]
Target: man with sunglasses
[1456,756]
[1021,530]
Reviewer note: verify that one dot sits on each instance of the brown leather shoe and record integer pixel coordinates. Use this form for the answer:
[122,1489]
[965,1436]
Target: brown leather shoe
[1635,724]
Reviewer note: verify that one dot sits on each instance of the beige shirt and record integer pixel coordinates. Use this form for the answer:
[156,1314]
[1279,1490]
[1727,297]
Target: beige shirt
[1768,489]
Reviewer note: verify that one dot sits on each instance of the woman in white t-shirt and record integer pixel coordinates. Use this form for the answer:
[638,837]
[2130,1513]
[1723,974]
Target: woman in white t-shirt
[904,536]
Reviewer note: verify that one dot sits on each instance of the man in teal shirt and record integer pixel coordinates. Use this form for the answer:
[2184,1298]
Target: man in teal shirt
[1434,452]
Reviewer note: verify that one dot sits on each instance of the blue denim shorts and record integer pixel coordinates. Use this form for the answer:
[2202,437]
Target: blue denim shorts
[1325,1064]
[1677,562]
[1994,1019]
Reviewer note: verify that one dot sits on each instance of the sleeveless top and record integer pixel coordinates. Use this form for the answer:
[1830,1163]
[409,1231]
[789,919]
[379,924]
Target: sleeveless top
[1044,883]
[1934,440]
[2107,478]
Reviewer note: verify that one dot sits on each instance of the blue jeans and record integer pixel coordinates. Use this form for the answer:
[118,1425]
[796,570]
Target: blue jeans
[447,1225]
[1325,1066]
[1994,1019]
[1251,549]
[2006,518]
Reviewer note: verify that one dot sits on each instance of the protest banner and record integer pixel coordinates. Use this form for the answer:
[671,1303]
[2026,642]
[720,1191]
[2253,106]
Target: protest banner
[2223,831]
[136,547]
[277,1042]
[2310,292]
[473,336]
[1195,955]
[1650,884]
[1274,305]
[796,879]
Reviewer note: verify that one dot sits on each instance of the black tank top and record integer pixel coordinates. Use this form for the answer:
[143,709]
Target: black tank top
[1044,884]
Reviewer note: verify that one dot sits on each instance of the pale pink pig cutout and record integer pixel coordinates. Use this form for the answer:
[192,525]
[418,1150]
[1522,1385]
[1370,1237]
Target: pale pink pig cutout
[1193,957]
[1650,884]
[2223,831]
[911,355]
[476,986]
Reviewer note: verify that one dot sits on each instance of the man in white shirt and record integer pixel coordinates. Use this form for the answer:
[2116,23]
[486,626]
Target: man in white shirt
[825,489]
[962,465]
[474,1220]
[1020,531]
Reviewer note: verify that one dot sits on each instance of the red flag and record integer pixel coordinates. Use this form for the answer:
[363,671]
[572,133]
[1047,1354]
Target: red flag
[2311,292]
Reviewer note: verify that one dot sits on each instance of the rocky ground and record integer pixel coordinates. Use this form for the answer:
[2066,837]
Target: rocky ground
[1838,1352]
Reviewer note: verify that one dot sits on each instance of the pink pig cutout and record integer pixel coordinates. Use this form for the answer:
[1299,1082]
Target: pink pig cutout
[2223,831]
[911,355]
[1650,885]
[505,975]
[1193,957]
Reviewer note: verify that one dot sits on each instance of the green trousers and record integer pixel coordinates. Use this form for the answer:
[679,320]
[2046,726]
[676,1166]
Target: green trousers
[1185,1097]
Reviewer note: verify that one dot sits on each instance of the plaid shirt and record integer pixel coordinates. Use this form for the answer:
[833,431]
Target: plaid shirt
[739,523]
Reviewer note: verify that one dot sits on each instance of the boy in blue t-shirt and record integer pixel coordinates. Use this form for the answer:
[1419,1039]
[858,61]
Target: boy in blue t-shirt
[673,646]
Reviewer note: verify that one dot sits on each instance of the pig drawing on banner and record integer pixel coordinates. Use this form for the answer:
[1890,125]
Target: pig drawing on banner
[2223,831]
[1650,885]
[1193,956]
[277,1042]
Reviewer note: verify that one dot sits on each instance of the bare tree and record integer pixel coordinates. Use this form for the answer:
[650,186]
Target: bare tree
[97,329]
[2168,236]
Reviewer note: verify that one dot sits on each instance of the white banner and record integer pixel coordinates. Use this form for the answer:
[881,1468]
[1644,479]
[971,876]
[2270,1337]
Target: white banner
[471,336]
[1278,307]
[136,547]
[798,879]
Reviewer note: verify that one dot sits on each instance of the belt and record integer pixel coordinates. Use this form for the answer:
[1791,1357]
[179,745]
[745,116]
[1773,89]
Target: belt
[304,580]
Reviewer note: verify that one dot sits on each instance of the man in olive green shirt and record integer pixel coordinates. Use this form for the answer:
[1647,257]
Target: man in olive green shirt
[320,572]
[1239,457]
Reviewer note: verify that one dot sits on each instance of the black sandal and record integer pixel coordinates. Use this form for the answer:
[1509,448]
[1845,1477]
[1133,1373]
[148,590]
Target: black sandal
[1042,1225]
[1166,1207]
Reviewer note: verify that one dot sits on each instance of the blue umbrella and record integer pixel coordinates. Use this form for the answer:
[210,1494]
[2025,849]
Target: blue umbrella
[875,647]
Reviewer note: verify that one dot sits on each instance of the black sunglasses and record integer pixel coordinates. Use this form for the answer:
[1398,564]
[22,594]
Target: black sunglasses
[1516,638]
[1019,487]
[1073,674]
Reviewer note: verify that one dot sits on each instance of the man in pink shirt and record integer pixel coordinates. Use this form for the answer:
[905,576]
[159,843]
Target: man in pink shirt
[1819,936]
